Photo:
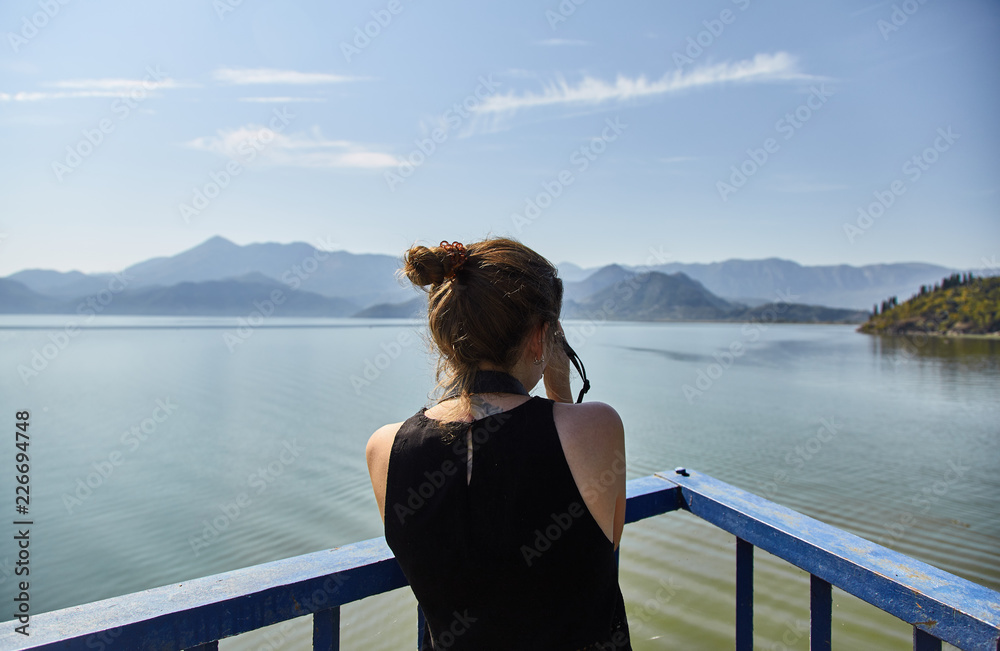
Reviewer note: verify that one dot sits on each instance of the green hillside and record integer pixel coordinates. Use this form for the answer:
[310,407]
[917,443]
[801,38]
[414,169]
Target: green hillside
[959,305]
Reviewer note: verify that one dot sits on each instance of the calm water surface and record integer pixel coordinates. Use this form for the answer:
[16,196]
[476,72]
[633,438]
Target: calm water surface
[164,450]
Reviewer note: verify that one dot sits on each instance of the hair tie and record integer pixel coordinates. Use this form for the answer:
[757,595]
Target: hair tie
[457,254]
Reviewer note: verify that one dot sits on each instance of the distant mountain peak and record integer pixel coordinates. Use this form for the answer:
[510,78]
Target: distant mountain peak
[217,241]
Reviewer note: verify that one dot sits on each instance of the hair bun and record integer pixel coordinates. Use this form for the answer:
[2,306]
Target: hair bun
[424,266]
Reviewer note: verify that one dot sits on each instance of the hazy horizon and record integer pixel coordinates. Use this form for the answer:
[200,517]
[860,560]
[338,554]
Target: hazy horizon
[992,265]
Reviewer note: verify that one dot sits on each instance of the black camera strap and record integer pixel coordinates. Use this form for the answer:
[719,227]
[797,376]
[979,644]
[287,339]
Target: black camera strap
[578,364]
[500,382]
[497,382]
[491,382]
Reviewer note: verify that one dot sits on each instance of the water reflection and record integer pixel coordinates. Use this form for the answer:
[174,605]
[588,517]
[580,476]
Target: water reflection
[979,353]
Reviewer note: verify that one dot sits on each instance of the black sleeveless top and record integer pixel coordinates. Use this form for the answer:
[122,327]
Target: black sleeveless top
[512,560]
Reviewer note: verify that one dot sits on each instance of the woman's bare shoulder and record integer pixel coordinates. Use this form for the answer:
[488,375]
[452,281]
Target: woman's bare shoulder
[380,444]
[377,453]
[592,435]
[589,422]
[593,441]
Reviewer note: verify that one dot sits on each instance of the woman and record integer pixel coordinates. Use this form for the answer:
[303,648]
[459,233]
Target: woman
[503,510]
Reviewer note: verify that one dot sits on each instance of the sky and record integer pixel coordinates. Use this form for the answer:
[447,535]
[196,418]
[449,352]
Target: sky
[823,132]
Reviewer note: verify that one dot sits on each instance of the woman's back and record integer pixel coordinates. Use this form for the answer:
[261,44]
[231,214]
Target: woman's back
[506,529]
[513,558]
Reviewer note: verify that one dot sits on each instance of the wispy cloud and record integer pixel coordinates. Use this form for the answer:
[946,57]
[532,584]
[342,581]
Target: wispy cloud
[520,73]
[311,150]
[803,187]
[85,88]
[113,84]
[865,10]
[556,42]
[281,100]
[245,76]
[780,66]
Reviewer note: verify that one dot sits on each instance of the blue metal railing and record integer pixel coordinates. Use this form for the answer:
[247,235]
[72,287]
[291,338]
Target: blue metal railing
[196,614]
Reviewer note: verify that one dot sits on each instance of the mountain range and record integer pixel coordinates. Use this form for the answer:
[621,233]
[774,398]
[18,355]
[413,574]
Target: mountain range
[221,278]
[656,296]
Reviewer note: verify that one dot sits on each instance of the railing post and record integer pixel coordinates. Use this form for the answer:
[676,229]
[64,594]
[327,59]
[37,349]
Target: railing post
[924,641]
[820,614]
[326,630]
[744,595]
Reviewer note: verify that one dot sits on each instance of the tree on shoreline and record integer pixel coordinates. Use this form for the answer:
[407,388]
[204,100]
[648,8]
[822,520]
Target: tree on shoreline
[959,304]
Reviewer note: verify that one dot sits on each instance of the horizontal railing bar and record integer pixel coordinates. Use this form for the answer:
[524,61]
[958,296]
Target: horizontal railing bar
[186,615]
[948,607]
[201,611]
[649,496]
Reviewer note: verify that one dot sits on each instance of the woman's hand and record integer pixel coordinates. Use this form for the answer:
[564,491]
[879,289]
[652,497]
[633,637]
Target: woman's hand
[556,372]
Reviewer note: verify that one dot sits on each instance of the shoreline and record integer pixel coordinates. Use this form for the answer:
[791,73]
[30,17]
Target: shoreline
[943,335]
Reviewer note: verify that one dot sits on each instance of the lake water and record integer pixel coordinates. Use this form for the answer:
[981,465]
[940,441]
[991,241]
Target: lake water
[145,430]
